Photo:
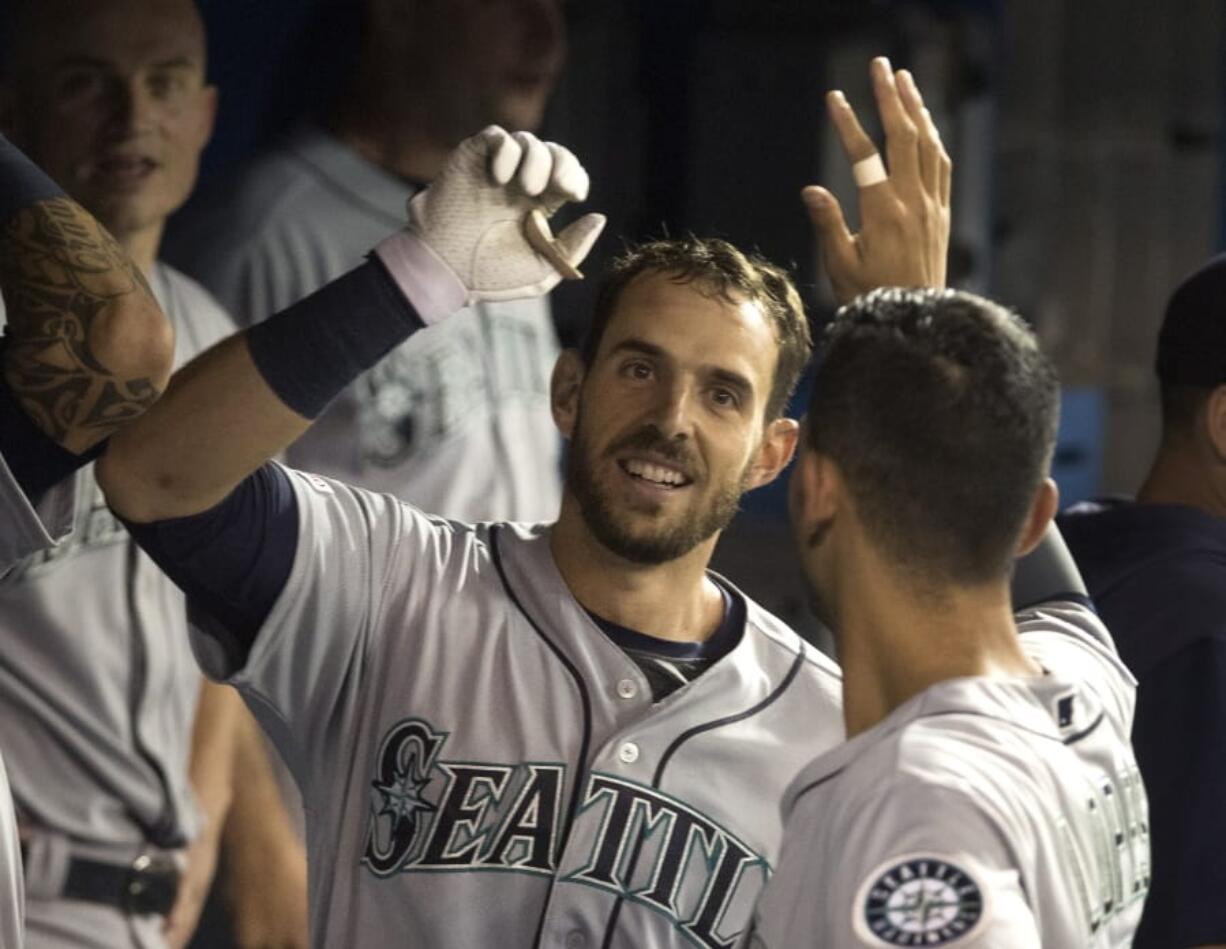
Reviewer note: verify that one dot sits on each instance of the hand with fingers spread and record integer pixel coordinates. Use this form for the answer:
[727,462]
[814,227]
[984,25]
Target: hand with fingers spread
[904,214]
[472,217]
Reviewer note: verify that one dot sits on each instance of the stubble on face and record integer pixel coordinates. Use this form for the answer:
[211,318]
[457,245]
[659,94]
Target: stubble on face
[611,523]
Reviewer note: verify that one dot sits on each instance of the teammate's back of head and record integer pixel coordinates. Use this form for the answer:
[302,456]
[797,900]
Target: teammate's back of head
[940,412]
[1190,361]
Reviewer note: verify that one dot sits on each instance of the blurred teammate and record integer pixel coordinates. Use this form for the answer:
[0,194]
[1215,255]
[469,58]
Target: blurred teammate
[86,348]
[115,767]
[456,422]
[1156,568]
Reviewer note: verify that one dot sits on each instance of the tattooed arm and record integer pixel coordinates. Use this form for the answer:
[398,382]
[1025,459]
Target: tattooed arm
[86,347]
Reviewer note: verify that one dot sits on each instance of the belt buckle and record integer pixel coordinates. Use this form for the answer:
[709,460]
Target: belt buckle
[152,885]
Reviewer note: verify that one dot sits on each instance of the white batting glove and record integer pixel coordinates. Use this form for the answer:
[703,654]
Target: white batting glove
[466,238]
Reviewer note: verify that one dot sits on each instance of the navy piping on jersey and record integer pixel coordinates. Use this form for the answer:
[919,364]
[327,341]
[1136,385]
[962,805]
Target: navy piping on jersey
[1072,739]
[677,742]
[1087,730]
[581,770]
[1069,597]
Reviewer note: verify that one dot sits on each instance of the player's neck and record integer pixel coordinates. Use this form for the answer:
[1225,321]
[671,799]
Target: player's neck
[895,642]
[1179,477]
[673,600]
[392,132]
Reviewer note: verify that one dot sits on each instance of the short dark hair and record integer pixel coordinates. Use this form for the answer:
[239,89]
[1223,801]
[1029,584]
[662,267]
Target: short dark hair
[1190,358]
[941,412]
[718,269]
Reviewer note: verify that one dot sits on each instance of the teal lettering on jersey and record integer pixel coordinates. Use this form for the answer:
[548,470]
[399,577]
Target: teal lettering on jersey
[430,814]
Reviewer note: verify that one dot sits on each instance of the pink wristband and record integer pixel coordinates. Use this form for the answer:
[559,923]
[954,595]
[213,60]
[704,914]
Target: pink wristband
[431,287]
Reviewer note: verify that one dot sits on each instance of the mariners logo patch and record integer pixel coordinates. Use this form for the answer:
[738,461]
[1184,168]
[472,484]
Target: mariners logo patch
[919,900]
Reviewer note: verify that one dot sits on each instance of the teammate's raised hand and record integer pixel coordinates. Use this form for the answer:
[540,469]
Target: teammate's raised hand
[904,212]
[484,215]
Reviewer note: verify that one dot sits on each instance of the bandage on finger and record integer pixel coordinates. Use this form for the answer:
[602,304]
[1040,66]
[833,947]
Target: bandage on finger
[540,238]
[869,171]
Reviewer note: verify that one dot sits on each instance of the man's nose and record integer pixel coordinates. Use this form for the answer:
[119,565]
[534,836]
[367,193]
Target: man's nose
[673,411]
[133,106]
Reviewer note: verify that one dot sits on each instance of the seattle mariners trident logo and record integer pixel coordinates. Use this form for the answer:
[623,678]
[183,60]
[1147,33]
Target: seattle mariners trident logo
[427,814]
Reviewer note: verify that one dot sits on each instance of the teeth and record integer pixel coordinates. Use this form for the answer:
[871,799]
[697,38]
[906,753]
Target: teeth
[656,473]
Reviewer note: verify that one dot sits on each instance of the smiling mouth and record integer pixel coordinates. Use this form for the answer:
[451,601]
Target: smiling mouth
[124,167]
[654,474]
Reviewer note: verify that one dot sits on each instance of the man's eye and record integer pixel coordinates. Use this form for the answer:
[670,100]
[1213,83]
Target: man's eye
[724,398]
[637,370]
[78,84]
[165,84]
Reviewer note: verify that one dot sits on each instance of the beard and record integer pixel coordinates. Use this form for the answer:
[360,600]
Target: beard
[611,525]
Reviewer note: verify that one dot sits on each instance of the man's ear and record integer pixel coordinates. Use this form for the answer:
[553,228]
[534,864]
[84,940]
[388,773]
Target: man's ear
[1042,510]
[564,386]
[1215,421]
[813,493]
[776,451]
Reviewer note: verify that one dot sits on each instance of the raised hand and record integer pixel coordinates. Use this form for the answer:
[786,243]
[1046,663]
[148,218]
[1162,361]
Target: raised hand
[483,214]
[904,212]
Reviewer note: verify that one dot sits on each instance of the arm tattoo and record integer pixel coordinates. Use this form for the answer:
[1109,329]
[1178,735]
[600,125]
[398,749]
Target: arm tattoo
[61,271]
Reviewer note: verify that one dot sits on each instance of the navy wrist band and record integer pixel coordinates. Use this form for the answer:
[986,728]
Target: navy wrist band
[310,351]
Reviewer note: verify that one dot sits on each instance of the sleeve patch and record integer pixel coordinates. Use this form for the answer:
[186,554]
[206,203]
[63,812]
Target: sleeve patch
[919,899]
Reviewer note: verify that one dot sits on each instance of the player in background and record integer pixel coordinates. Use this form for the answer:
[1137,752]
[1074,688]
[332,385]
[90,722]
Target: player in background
[1156,568]
[987,795]
[86,349]
[582,726]
[457,422]
[114,764]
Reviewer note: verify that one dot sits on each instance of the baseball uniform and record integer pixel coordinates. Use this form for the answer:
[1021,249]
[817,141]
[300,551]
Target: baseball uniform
[480,763]
[456,421]
[98,692]
[982,812]
[1158,576]
[24,529]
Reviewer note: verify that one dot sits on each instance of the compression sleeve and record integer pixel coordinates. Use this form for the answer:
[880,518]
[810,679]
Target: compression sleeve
[232,560]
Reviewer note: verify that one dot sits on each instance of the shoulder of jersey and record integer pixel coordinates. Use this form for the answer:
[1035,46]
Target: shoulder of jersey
[780,633]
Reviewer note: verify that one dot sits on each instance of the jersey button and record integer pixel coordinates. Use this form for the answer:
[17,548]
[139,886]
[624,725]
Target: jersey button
[627,688]
[628,753]
[575,940]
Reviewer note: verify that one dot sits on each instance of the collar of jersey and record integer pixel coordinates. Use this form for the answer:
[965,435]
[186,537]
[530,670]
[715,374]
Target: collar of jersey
[532,570]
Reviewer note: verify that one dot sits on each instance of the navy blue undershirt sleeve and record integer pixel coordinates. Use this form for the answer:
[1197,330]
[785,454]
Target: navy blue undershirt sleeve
[232,560]
[36,461]
[1179,736]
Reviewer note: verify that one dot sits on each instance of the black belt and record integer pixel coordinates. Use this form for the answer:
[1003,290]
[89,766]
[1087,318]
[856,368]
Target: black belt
[148,885]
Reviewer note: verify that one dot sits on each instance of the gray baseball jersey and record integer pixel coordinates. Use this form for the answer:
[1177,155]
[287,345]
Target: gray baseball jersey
[456,421]
[482,766]
[983,812]
[24,529]
[97,689]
